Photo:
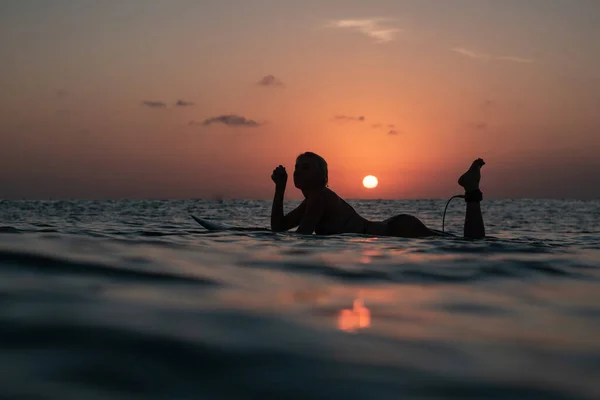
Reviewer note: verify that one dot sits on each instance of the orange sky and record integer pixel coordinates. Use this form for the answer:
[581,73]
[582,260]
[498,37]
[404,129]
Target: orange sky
[512,82]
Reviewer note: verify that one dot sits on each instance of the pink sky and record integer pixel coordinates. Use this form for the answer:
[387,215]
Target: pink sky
[515,83]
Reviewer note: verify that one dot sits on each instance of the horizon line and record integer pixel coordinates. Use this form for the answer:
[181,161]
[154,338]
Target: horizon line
[270,199]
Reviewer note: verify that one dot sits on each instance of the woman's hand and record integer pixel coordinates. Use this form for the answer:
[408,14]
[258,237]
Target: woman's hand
[279,176]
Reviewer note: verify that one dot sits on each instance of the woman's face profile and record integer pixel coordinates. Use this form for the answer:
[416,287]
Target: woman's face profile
[307,173]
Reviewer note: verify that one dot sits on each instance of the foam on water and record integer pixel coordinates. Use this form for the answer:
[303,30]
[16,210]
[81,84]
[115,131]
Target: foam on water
[133,299]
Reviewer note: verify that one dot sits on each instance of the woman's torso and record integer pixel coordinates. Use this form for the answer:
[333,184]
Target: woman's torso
[340,217]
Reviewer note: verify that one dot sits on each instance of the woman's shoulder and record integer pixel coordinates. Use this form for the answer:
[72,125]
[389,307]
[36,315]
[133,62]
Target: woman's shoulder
[324,194]
[330,193]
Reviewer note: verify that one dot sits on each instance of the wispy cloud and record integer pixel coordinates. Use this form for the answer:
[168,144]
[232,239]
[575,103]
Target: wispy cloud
[490,57]
[371,27]
[391,128]
[480,126]
[154,104]
[62,93]
[270,80]
[232,120]
[183,103]
[349,118]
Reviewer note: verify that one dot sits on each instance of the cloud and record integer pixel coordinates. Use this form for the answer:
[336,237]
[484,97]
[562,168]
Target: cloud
[270,80]
[480,126]
[231,120]
[154,104]
[371,27]
[183,103]
[391,128]
[490,57]
[348,118]
[62,93]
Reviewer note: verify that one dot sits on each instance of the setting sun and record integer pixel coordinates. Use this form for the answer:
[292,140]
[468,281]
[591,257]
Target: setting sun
[370,182]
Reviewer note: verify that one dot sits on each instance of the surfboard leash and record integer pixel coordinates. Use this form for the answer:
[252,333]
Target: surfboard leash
[462,196]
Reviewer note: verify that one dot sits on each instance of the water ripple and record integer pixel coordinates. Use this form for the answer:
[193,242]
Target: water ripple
[56,265]
[128,299]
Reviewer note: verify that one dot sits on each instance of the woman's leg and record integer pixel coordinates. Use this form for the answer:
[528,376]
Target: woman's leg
[408,226]
[474,228]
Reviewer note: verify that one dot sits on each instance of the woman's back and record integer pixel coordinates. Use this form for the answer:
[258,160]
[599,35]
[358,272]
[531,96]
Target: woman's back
[338,216]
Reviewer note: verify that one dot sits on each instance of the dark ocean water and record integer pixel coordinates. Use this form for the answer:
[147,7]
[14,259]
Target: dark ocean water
[134,300]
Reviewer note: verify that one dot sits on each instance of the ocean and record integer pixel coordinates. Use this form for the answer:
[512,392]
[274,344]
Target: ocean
[132,299]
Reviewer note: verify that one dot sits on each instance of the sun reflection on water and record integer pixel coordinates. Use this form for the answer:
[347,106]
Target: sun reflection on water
[359,317]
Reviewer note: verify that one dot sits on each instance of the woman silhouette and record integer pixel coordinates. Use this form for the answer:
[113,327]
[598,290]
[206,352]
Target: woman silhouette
[324,212]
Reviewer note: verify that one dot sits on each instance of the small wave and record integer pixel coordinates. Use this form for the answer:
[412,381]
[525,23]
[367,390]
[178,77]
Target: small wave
[56,265]
[46,230]
[42,225]
[472,308]
[586,312]
[493,245]
[147,233]
[323,270]
[452,271]
[9,229]
[159,233]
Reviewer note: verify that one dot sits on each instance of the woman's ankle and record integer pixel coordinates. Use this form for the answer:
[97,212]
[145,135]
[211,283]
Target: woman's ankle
[473,196]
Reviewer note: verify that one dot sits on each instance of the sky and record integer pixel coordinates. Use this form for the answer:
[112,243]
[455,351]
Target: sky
[203,99]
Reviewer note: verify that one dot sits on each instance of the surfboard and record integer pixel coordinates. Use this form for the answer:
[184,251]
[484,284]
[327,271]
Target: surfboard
[209,225]
[215,226]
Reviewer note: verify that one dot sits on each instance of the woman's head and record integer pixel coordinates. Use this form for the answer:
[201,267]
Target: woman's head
[310,171]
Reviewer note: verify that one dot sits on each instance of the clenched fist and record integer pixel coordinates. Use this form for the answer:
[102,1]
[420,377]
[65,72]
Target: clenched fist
[279,176]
